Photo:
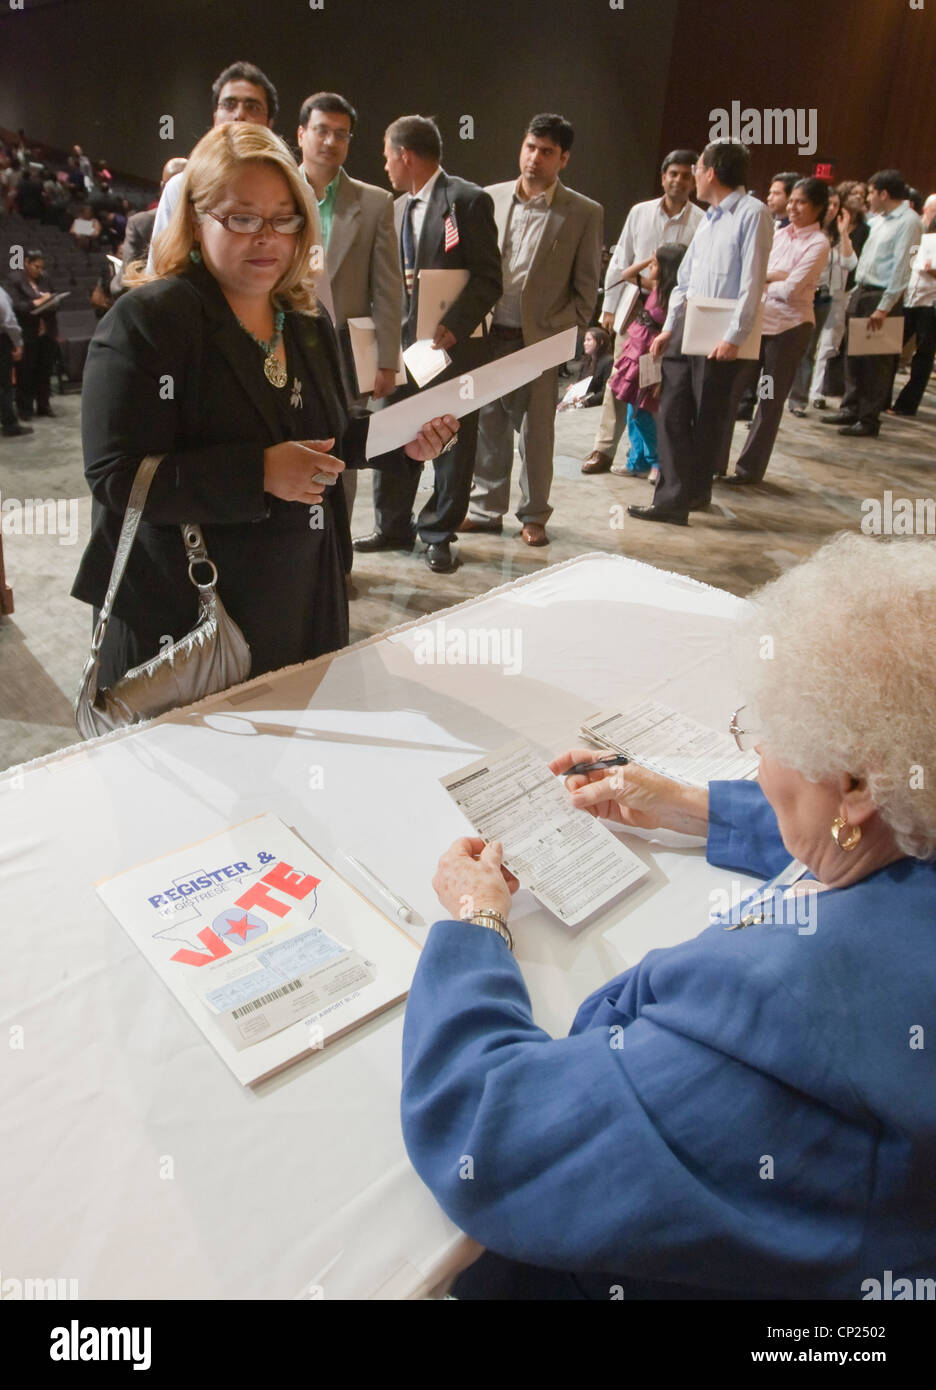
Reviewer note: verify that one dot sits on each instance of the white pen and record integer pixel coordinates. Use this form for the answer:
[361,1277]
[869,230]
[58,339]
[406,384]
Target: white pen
[403,909]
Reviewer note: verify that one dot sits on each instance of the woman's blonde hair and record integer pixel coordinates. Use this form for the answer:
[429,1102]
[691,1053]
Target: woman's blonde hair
[213,165]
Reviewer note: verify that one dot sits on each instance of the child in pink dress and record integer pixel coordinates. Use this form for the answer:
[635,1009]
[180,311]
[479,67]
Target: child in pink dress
[643,401]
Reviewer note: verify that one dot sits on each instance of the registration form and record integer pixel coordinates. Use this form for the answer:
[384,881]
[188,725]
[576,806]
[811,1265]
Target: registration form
[568,860]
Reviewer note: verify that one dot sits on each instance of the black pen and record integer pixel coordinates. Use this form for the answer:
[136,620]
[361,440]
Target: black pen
[617,761]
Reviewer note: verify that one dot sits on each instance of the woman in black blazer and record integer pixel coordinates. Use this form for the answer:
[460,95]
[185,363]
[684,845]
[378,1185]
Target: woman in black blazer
[223,363]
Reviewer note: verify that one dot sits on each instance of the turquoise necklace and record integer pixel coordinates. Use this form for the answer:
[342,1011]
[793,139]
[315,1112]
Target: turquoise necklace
[273,369]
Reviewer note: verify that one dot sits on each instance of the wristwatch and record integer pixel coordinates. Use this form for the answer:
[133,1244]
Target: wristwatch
[490,917]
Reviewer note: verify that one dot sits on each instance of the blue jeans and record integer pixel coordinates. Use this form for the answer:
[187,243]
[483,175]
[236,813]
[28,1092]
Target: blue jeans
[642,436]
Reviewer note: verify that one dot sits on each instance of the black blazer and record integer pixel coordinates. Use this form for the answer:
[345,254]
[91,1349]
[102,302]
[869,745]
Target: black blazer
[170,371]
[22,293]
[477,252]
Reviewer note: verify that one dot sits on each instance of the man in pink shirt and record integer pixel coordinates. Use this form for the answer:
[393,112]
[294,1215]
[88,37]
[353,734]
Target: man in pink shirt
[797,259]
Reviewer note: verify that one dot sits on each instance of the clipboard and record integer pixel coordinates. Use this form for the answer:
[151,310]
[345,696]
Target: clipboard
[886,341]
[707,322]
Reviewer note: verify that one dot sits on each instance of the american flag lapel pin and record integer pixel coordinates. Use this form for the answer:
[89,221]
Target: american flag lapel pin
[451,231]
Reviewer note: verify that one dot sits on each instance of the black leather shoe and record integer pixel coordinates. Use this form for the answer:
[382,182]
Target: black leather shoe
[838,417]
[51,414]
[798,411]
[652,513]
[741,480]
[439,558]
[861,430]
[378,541]
[18,429]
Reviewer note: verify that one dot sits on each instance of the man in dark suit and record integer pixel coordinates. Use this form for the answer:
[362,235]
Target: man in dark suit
[445,223]
[30,291]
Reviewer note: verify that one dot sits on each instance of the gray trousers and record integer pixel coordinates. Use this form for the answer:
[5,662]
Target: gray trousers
[781,354]
[531,412]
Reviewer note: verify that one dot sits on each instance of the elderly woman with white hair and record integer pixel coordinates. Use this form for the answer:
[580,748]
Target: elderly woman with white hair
[751,1114]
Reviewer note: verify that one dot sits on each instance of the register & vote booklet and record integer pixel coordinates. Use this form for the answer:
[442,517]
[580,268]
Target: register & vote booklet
[264,945]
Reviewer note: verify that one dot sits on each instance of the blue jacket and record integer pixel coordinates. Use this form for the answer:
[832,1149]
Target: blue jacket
[749,1114]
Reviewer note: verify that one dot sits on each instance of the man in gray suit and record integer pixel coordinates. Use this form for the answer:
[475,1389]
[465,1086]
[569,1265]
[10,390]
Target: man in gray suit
[550,241]
[360,246]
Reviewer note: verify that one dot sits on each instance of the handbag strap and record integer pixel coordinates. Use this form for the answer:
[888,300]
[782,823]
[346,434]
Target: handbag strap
[191,538]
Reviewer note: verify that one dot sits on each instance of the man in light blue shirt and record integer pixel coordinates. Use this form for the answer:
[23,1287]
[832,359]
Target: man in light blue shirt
[881,280]
[727,259]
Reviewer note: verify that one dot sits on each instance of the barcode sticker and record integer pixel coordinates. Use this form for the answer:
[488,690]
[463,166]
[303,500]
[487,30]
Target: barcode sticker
[266,998]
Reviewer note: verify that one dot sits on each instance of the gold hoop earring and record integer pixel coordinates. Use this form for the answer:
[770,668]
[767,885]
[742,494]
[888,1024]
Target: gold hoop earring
[848,841]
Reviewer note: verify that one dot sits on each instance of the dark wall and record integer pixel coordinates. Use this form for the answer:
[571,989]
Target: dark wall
[102,72]
[866,66]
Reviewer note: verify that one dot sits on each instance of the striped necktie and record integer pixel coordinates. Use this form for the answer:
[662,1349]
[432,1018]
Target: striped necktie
[409,248]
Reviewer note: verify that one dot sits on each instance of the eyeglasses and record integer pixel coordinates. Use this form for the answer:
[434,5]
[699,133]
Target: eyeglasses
[340,137]
[249,223]
[744,738]
[250,104]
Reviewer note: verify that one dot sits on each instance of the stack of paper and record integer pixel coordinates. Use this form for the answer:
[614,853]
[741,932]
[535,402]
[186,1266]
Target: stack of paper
[567,859]
[659,738]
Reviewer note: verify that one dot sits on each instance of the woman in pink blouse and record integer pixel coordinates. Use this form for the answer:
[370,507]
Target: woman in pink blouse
[797,258]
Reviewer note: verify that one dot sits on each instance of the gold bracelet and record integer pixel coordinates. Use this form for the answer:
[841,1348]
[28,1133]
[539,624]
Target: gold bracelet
[490,917]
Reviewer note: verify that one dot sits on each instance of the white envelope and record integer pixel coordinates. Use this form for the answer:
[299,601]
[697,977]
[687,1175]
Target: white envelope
[424,362]
[397,424]
[884,341]
[707,322]
[438,291]
[363,334]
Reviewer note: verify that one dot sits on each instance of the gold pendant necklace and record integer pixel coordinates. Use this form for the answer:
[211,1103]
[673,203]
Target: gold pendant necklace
[274,370]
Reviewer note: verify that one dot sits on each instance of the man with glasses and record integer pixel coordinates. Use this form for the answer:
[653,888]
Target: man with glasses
[360,246]
[240,93]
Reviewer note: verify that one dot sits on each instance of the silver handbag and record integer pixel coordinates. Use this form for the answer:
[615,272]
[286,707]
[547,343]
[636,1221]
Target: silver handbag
[212,657]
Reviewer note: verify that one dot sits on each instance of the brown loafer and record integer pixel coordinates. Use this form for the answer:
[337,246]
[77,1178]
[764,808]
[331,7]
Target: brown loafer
[597,462]
[534,534]
[491,528]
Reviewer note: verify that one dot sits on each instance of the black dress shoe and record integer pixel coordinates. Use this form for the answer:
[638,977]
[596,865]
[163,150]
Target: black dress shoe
[838,417]
[798,411]
[439,558]
[17,429]
[51,414]
[861,430]
[652,513]
[741,480]
[378,541]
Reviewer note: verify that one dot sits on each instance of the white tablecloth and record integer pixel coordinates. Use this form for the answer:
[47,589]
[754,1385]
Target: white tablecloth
[130,1158]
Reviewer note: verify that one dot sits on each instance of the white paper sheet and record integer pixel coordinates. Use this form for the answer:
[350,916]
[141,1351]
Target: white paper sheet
[707,322]
[400,423]
[363,335]
[665,741]
[267,948]
[424,362]
[577,391]
[569,861]
[886,341]
[438,291]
